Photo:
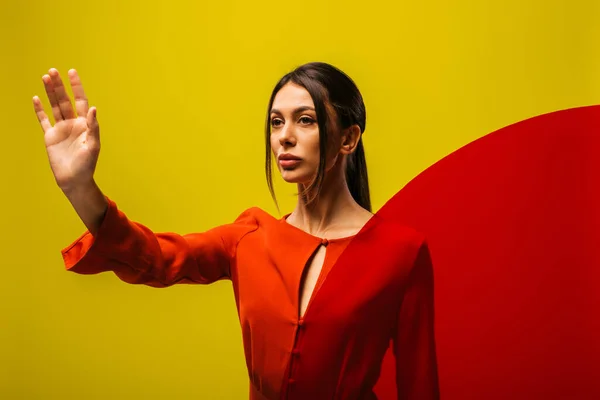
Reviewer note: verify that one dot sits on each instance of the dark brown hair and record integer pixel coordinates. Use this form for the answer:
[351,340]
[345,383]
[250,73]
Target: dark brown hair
[329,88]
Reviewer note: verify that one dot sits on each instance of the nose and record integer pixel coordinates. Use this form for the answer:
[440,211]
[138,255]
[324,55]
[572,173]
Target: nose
[287,135]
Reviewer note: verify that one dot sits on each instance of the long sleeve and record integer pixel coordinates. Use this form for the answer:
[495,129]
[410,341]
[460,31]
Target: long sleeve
[139,256]
[414,340]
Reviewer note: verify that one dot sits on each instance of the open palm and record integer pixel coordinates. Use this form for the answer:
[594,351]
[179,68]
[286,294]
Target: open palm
[73,143]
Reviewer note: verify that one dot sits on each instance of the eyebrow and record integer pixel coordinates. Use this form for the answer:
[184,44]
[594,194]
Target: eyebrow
[296,111]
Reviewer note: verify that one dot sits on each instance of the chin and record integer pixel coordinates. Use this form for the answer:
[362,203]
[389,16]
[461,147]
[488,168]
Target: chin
[294,176]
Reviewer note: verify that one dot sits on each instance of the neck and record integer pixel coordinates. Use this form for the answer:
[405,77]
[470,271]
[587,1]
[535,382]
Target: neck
[332,209]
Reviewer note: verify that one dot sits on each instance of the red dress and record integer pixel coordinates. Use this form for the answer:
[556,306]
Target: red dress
[374,287]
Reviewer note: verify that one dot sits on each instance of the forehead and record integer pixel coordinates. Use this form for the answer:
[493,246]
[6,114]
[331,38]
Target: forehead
[292,96]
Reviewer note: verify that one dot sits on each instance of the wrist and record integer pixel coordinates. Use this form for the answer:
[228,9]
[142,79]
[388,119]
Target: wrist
[79,189]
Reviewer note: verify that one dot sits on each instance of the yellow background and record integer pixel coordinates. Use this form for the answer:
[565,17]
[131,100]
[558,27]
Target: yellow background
[181,89]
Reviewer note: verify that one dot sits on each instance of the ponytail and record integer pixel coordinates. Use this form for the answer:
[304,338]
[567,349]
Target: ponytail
[357,178]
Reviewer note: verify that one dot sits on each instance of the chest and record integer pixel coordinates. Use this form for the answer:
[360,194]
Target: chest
[313,275]
[279,285]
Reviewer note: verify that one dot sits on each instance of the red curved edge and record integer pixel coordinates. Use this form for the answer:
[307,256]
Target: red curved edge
[513,223]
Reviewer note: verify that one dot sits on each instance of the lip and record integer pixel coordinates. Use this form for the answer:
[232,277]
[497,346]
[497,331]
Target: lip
[287,160]
[288,156]
[289,163]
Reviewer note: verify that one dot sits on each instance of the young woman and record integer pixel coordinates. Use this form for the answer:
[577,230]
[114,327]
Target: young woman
[320,292]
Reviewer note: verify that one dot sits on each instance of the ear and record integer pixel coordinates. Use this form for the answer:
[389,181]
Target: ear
[350,139]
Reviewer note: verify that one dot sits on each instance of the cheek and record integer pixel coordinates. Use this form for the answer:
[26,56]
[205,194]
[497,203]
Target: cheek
[313,142]
[274,144]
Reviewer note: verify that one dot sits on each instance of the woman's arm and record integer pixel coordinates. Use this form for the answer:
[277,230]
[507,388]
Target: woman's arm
[113,242]
[414,341]
[139,256]
[89,203]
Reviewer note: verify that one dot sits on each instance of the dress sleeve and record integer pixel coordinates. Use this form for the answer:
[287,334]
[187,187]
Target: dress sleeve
[414,339]
[137,255]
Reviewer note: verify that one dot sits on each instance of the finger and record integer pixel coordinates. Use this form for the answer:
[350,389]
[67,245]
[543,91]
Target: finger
[92,123]
[66,108]
[41,115]
[52,97]
[81,102]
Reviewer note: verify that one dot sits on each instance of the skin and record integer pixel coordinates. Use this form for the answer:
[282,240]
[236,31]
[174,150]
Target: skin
[334,213]
[294,130]
[73,147]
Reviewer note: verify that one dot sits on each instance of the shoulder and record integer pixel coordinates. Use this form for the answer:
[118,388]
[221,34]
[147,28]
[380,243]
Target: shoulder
[399,232]
[402,242]
[254,221]
[257,218]
[255,215]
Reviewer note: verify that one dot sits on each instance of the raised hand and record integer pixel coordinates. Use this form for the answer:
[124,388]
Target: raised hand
[73,143]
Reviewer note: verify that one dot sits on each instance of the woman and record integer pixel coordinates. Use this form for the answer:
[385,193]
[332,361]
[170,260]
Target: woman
[320,292]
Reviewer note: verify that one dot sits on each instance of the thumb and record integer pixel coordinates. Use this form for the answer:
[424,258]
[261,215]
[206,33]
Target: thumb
[92,122]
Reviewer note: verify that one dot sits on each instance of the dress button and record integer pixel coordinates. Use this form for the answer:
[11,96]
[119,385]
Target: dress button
[300,322]
[291,381]
[324,242]
[296,352]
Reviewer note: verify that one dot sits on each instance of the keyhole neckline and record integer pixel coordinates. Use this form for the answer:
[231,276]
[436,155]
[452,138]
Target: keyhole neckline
[324,241]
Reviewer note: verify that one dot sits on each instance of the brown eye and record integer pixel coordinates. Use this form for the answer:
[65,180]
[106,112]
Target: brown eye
[275,122]
[307,120]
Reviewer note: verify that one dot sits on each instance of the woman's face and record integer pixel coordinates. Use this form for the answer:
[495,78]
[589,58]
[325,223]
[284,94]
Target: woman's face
[295,134]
